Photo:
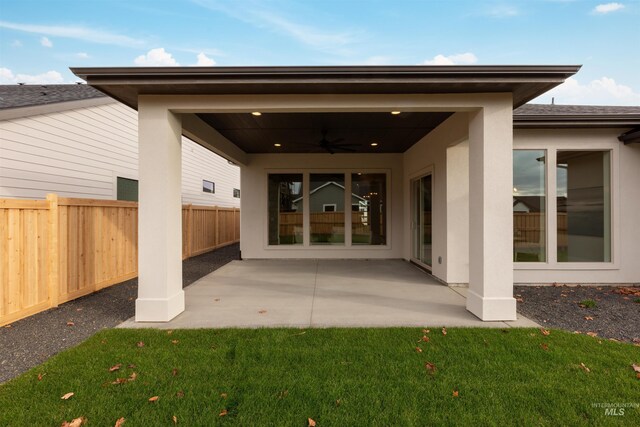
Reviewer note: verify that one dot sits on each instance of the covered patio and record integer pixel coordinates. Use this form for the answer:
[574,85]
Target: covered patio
[323,293]
[356,163]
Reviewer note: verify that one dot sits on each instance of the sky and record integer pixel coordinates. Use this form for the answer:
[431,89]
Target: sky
[41,39]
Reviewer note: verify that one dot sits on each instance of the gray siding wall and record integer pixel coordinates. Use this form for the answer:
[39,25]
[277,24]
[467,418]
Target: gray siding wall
[81,152]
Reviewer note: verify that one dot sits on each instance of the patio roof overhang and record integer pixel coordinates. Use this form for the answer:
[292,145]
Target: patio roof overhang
[300,132]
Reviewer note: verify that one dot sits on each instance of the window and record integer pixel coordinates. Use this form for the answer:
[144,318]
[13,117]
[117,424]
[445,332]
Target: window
[584,206]
[236,193]
[368,220]
[529,206]
[285,209]
[327,227]
[329,208]
[127,189]
[208,186]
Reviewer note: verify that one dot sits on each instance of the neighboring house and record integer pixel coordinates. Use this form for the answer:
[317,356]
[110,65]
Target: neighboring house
[447,144]
[75,141]
[328,197]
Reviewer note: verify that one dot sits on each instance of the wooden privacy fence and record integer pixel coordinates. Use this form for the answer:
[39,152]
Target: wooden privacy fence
[59,249]
[528,229]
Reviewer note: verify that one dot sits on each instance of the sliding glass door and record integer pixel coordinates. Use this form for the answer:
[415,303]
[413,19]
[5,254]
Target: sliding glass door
[421,198]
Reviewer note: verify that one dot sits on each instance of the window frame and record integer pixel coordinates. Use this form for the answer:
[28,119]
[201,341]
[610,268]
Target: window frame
[205,190]
[552,149]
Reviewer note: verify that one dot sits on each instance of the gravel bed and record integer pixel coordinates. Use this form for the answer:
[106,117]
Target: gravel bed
[616,313]
[29,342]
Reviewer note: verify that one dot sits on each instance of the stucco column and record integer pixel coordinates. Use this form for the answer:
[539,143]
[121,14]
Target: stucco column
[490,295]
[160,294]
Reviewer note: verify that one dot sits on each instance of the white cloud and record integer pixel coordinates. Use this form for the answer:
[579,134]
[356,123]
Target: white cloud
[457,59]
[16,43]
[79,33]
[44,41]
[204,61]
[608,7]
[324,39]
[50,77]
[156,58]
[82,55]
[603,91]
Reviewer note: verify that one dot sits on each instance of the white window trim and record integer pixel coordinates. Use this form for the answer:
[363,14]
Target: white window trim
[551,237]
[306,222]
[324,205]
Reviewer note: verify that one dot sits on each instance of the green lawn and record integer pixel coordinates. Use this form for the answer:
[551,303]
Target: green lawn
[343,377]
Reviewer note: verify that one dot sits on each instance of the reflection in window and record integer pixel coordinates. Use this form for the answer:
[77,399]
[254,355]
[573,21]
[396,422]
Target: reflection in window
[285,209]
[529,206]
[368,207]
[584,206]
[326,206]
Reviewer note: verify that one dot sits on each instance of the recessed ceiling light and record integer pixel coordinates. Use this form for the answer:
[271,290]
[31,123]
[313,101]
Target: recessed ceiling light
[277,145]
[395,113]
[256,113]
[374,144]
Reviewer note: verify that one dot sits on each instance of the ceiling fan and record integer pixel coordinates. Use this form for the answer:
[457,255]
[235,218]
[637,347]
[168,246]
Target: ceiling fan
[333,145]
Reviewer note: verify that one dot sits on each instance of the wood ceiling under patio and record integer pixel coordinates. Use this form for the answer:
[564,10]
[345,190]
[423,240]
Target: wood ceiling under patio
[302,132]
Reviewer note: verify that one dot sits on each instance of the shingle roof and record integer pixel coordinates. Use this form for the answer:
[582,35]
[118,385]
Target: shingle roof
[572,110]
[15,96]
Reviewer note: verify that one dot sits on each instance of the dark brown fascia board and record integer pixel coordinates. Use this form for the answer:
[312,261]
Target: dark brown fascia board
[576,121]
[481,72]
[630,137]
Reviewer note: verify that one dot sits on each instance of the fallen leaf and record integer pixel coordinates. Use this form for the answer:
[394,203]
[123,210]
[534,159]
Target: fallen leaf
[588,318]
[119,381]
[455,393]
[544,346]
[115,367]
[79,309]
[430,367]
[418,349]
[67,396]
[224,395]
[312,423]
[175,419]
[131,366]
[544,331]
[223,413]
[519,300]
[140,344]
[119,422]
[174,371]
[262,311]
[338,402]
[132,377]
[154,399]
[425,331]
[70,323]
[627,290]
[8,326]
[426,338]
[592,334]
[636,367]
[174,341]
[180,393]
[584,367]
[169,332]
[577,332]
[444,331]
[76,422]
[40,376]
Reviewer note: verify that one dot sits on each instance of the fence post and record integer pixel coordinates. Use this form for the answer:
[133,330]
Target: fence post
[189,230]
[235,226]
[217,242]
[53,250]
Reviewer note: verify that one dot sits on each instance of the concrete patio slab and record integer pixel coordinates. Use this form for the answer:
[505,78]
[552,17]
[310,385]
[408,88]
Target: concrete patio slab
[322,293]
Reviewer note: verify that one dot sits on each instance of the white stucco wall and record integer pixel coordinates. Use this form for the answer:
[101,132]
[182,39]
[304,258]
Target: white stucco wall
[625,195]
[444,153]
[254,203]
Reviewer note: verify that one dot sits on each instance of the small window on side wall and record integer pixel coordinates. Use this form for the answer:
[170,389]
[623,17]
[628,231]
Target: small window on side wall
[208,186]
[236,193]
[127,189]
